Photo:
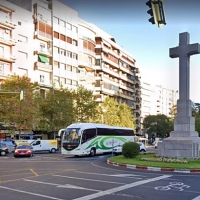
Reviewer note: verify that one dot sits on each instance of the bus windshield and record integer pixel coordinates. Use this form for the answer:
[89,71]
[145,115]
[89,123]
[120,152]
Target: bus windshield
[72,136]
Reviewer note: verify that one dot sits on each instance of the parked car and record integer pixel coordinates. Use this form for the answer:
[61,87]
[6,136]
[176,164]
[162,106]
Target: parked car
[10,144]
[25,150]
[142,147]
[118,149]
[3,149]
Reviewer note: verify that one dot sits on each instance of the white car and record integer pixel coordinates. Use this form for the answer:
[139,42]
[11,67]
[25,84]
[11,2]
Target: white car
[118,149]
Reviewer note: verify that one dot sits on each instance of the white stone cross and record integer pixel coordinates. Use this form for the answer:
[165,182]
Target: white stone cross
[184,51]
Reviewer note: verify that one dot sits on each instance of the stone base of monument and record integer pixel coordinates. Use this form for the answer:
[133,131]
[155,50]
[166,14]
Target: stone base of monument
[179,147]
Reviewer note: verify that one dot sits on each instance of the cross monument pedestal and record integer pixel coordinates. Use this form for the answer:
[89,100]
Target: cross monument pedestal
[184,141]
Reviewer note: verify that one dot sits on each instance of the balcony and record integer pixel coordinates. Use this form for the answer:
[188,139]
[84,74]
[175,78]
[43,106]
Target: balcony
[46,52]
[4,74]
[7,58]
[83,77]
[7,24]
[109,70]
[88,66]
[43,36]
[125,96]
[43,67]
[42,19]
[7,41]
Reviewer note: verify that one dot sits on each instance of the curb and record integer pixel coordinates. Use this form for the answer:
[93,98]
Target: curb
[153,168]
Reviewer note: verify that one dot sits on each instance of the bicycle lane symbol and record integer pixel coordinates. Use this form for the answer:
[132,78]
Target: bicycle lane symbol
[173,185]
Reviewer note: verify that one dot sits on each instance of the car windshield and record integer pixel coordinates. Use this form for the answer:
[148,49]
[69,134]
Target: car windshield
[23,147]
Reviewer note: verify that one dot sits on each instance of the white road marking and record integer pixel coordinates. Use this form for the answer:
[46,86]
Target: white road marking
[90,179]
[173,185]
[62,186]
[116,175]
[31,193]
[120,188]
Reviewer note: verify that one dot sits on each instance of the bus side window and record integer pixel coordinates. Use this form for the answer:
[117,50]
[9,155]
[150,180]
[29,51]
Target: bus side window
[88,134]
[84,137]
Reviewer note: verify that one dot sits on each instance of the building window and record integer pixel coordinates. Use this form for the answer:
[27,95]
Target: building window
[62,52]
[90,60]
[74,83]
[42,47]
[62,66]
[75,43]
[42,93]
[74,29]
[42,78]
[69,40]
[56,34]
[68,26]
[56,79]
[1,50]
[56,50]
[55,20]
[63,81]
[75,56]
[62,23]
[22,38]
[62,37]
[74,69]
[56,64]
[69,68]
[2,33]
[69,81]
[22,55]
[98,62]
[69,54]
[1,68]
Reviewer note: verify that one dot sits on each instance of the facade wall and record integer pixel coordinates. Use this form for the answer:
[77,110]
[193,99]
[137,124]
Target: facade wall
[50,44]
[157,100]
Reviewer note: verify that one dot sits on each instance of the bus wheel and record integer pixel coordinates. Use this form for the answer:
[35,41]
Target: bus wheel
[92,152]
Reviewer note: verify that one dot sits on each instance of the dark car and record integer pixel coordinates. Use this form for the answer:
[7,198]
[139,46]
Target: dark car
[24,150]
[3,149]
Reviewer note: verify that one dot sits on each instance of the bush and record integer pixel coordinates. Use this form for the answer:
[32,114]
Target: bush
[130,150]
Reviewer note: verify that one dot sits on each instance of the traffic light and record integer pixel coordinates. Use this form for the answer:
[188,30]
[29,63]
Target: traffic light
[21,95]
[151,11]
[157,12]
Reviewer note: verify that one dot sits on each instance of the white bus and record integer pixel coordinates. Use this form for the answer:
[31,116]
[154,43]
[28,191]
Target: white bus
[90,138]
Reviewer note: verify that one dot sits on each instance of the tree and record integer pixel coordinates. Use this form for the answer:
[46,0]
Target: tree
[115,114]
[110,111]
[56,110]
[196,115]
[159,124]
[15,113]
[84,105]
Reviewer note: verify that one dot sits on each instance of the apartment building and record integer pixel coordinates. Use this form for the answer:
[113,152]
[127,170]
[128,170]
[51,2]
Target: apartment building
[49,43]
[157,100]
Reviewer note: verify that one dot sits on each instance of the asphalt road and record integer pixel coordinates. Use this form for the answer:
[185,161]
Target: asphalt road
[54,176]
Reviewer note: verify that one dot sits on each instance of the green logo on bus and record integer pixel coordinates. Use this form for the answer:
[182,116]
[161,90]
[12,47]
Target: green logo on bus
[99,142]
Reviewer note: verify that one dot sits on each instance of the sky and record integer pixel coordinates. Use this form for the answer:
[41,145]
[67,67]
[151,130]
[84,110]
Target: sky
[127,21]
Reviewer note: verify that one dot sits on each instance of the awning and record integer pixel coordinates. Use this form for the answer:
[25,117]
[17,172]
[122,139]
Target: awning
[43,59]
[81,69]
